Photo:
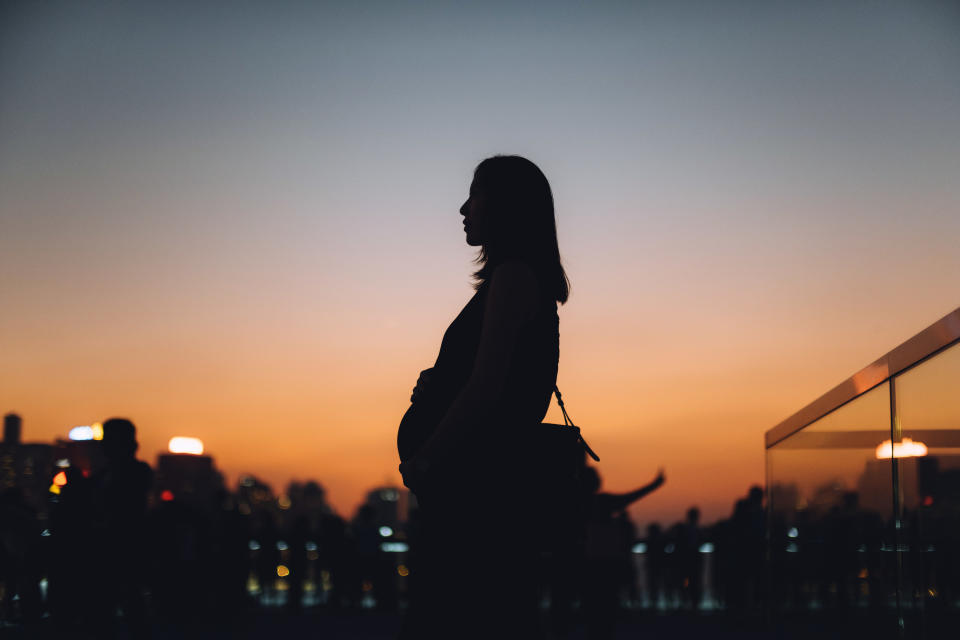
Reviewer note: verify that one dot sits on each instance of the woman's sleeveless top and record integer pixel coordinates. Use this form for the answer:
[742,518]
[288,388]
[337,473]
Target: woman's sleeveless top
[529,381]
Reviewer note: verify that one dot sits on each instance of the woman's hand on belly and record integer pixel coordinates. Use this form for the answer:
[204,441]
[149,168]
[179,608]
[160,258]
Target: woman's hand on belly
[414,472]
[423,382]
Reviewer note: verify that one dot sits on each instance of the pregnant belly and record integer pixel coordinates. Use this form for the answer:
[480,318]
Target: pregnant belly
[417,425]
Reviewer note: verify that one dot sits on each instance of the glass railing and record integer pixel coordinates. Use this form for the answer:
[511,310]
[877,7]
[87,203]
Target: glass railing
[863,496]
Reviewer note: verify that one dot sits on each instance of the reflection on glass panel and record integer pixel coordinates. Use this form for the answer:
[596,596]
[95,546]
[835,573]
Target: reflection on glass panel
[861,414]
[831,511]
[928,406]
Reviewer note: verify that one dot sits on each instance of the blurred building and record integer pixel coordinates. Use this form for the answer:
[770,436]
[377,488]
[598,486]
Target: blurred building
[873,486]
[254,495]
[86,455]
[303,499]
[12,428]
[28,467]
[307,496]
[385,504]
[939,482]
[190,478]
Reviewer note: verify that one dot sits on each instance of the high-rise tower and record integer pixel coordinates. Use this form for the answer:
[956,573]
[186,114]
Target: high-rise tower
[12,426]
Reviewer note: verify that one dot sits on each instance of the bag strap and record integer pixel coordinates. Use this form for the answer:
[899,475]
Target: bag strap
[568,422]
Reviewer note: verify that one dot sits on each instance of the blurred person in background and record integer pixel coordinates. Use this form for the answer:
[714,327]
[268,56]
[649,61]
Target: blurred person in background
[121,492]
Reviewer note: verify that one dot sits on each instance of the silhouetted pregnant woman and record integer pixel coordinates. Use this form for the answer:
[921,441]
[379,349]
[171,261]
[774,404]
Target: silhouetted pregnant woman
[462,442]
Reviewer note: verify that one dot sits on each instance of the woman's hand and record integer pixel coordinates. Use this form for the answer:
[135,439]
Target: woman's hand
[414,472]
[422,383]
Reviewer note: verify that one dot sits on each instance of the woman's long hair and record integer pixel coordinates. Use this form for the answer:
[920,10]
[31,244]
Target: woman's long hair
[520,222]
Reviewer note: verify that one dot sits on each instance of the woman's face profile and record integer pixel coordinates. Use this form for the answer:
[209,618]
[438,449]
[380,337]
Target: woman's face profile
[474,217]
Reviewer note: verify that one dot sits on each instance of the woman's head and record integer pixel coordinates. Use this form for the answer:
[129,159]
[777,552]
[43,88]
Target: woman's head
[509,214]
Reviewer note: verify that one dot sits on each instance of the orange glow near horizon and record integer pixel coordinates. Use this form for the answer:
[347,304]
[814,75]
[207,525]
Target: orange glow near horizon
[294,405]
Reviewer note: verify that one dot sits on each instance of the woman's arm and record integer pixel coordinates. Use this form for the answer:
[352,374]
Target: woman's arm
[511,302]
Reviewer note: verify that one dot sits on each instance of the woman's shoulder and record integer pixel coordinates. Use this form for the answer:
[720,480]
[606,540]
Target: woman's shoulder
[517,275]
[527,281]
[513,285]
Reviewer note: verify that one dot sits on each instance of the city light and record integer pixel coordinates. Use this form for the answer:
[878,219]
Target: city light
[394,547]
[60,479]
[282,571]
[386,532]
[81,433]
[905,449]
[182,444]
[166,495]
[640,547]
[793,532]
[403,571]
[96,429]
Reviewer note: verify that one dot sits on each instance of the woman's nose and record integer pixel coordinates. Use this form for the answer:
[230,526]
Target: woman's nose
[463,208]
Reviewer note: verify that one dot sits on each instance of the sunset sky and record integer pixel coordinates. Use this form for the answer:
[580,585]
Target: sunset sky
[239,220]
